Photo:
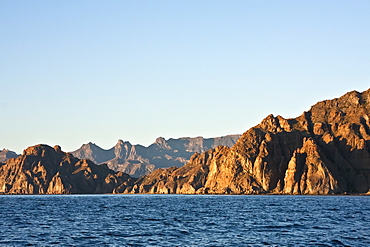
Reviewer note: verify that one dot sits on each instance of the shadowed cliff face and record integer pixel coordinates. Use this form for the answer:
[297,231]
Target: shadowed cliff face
[323,151]
[45,170]
[137,160]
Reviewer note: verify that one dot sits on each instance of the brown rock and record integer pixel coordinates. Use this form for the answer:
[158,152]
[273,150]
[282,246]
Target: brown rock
[324,151]
[45,170]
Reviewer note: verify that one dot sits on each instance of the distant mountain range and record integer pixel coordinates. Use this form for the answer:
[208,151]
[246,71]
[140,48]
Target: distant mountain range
[6,154]
[326,150]
[137,160]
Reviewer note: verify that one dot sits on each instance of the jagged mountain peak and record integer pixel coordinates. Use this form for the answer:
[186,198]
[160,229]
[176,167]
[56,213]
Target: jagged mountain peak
[90,145]
[120,142]
[160,140]
[138,160]
[162,143]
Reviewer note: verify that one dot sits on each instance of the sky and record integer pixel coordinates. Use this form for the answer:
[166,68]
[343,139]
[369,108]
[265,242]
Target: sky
[73,72]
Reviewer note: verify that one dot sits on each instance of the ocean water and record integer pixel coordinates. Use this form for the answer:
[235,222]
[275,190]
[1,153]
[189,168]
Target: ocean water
[184,220]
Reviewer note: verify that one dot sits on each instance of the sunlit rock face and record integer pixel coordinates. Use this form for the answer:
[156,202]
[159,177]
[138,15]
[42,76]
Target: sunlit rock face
[45,170]
[323,151]
[137,160]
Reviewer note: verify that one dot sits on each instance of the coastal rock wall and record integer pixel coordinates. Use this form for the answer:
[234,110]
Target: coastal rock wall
[323,151]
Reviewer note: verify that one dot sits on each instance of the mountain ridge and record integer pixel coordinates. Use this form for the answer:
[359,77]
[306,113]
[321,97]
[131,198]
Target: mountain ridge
[138,160]
[42,169]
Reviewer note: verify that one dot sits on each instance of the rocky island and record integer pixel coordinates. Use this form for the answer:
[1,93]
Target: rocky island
[326,150]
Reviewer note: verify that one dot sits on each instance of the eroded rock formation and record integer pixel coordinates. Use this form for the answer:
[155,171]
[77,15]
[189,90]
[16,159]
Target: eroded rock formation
[324,151]
[45,170]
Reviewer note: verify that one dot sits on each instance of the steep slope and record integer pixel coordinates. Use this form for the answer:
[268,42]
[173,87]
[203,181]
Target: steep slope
[138,160]
[323,151]
[45,170]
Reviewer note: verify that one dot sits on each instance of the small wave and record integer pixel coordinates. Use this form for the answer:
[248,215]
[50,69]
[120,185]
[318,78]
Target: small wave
[184,232]
[153,219]
[333,209]
[54,242]
[321,227]
[336,242]
[88,237]
[295,225]
[355,238]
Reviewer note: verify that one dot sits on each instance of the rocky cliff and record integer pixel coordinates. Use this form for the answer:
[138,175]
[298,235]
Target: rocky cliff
[45,170]
[137,160]
[326,150]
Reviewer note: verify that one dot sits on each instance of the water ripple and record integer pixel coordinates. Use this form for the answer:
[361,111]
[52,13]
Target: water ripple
[175,220]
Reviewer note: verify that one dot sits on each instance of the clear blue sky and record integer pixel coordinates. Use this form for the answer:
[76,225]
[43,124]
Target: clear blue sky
[78,71]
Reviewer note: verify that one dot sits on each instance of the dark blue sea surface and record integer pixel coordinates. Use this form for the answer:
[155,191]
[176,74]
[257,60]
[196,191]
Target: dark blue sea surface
[184,220]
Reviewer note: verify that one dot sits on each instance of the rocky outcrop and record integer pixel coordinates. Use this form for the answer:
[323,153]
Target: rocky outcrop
[6,154]
[326,150]
[137,160]
[45,170]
